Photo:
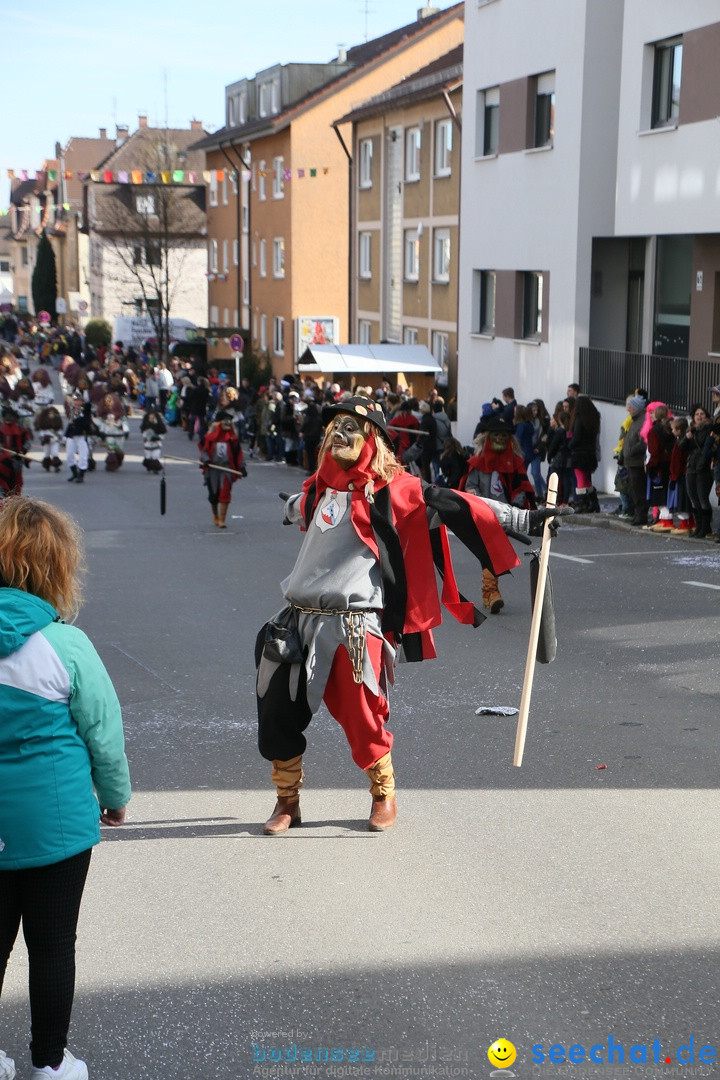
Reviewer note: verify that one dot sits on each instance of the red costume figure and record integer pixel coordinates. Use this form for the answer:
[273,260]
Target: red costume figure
[364,587]
[220,447]
[14,444]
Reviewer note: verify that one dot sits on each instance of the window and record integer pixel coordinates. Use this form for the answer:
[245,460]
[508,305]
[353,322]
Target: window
[214,315]
[487,122]
[278,335]
[263,258]
[213,188]
[666,83]
[225,188]
[226,316]
[412,255]
[263,332]
[412,153]
[213,257]
[245,218]
[443,147]
[532,306]
[235,317]
[262,190]
[24,257]
[484,301]
[269,97]
[235,252]
[544,109]
[226,256]
[364,328]
[152,253]
[4,266]
[440,347]
[278,257]
[245,294]
[145,204]
[410,335]
[278,178]
[366,153]
[234,182]
[365,252]
[441,255]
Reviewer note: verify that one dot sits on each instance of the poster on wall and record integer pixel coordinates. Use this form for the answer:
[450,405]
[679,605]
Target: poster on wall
[315,330]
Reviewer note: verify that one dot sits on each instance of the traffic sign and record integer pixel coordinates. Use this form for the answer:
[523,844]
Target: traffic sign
[236,343]
[82,305]
[44,318]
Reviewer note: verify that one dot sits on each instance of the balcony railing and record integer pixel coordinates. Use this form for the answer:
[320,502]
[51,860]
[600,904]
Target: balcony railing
[610,375]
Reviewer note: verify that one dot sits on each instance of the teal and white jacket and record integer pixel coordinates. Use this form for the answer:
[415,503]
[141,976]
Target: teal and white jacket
[61,735]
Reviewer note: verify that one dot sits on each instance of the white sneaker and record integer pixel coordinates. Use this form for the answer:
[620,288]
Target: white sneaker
[7,1067]
[71,1069]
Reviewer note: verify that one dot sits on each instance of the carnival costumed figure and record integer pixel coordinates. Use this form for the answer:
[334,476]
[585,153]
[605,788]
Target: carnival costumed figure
[77,438]
[48,428]
[220,447]
[153,432]
[497,471]
[14,443]
[363,587]
[114,430]
[23,399]
[42,388]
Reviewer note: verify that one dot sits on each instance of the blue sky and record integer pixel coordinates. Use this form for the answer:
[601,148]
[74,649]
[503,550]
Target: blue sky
[68,70]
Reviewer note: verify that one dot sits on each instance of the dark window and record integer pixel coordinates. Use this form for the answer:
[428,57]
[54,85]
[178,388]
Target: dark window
[666,83]
[487,302]
[533,306]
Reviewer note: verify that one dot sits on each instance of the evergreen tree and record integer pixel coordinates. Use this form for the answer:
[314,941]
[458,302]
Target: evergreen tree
[44,278]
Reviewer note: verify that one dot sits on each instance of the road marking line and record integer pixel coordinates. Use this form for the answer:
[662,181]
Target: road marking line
[570,558]
[701,585]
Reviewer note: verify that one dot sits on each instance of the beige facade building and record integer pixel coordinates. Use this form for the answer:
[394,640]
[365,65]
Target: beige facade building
[279,247]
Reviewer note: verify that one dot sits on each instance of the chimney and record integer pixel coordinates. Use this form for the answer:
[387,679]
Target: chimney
[196,125]
[103,133]
[142,120]
[121,133]
[342,55]
[427,11]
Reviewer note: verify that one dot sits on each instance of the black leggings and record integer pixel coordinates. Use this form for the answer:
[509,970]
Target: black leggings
[47,901]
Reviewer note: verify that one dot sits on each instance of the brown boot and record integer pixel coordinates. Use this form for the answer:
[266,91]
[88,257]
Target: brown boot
[216,519]
[286,815]
[492,599]
[382,789]
[287,777]
[222,514]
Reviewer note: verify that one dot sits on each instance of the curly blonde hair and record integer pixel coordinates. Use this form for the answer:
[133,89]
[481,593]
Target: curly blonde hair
[384,463]
[41,552]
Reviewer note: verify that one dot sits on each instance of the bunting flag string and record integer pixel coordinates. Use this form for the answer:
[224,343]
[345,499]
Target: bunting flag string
[174,176]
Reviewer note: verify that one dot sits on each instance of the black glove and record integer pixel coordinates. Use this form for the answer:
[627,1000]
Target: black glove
[552,513]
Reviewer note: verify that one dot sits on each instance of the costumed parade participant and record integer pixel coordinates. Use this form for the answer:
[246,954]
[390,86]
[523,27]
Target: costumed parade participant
[362,588]
[77,436]
[220,447]
[42,388]
[153,432]
[114,430]
[497,471]
[48,428]
[14,444]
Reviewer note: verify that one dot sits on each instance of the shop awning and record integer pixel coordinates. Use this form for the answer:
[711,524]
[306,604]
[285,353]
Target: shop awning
[362,359]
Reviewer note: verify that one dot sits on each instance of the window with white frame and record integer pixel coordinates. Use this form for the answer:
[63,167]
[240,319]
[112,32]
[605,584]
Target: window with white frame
[263,332]
[366,156]
[413,141]
[226,316]
[213,198]
[441,255]
[213,256]
[245,218]
[245,292]
[484,282]
[364,331]
[278,335]
[145,204]
[410,335]
[412,255]
[214,315]
[235,253]
[487,122]
[365,255]
[234,182]
[278,178]
[225,187]
[440,348]
[269,96]
[263,257]
[226,256]
[278,257]
[667,75]
[254,254]
[443,147]
[532,305]
[262,188]
[544,109]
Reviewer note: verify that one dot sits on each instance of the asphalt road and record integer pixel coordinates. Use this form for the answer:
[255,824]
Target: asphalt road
[560,903]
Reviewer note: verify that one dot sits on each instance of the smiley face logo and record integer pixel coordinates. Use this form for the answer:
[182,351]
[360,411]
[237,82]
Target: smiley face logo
[502,1054]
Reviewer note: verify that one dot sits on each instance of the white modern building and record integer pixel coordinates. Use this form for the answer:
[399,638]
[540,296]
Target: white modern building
[590,204]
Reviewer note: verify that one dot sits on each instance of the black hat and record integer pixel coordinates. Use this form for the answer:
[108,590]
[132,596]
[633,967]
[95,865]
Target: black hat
[495,424]
[364,408]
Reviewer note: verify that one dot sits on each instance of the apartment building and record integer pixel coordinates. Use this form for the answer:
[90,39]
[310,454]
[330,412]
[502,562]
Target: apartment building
[405,196]
[590,248]
[286,167]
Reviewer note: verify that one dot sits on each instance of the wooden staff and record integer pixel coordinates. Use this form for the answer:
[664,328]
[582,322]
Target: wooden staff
[535,625]
[202,464]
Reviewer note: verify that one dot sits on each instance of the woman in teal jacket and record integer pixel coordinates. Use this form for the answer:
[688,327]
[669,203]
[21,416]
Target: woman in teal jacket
[62,767]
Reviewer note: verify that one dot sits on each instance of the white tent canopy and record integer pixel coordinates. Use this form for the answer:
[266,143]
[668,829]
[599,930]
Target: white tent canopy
[362,359]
